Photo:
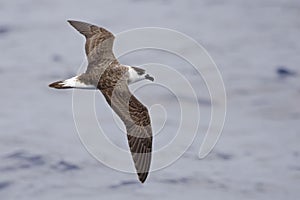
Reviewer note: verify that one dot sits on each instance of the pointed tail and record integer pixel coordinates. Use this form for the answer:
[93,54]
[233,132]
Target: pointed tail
[59,85]
[73,82]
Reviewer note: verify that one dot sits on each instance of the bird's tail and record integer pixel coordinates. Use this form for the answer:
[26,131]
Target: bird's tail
[60,85]
[73,82]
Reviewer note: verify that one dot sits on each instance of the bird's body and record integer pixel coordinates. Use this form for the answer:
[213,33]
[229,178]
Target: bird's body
[106,74]
[83,81]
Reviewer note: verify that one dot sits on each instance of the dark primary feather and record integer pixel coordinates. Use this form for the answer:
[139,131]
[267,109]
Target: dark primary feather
[89,30]
[137,121]
[99,42]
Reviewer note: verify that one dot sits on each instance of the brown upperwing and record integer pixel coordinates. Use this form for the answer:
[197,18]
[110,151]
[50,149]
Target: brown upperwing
[99,41]
[138,125]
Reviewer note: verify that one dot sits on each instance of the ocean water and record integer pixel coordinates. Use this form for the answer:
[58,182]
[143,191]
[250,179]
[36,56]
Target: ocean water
[256,47]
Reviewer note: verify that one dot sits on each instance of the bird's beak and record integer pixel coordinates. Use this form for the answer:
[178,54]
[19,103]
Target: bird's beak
[149,77]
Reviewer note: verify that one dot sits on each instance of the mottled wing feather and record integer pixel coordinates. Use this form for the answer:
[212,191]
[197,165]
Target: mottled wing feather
[99,41]
[138,125]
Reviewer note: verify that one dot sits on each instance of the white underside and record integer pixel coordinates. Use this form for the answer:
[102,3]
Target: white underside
[75,83]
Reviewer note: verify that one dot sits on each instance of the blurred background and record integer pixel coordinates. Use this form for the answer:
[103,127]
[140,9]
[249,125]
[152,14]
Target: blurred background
[256,46]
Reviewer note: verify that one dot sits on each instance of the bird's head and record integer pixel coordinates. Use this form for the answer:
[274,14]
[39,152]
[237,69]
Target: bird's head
[147,76]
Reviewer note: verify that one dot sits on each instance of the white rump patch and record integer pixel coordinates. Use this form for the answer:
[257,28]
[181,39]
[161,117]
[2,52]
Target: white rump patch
[75,83]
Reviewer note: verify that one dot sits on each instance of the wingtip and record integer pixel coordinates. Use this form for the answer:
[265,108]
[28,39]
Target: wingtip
[82,27]
[71,21]
[142,177]
[142,181]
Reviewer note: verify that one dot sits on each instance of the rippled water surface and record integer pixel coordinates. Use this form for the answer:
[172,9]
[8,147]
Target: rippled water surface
[256,47]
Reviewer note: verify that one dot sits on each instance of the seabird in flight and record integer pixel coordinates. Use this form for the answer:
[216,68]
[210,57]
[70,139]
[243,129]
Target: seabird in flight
[106,74]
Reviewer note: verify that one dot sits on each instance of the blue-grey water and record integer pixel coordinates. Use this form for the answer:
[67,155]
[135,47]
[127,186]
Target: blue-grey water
[256,46]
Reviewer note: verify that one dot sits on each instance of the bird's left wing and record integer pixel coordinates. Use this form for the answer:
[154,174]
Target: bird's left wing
[99,42]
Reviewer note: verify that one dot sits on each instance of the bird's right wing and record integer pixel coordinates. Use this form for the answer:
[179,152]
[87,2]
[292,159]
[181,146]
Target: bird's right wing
[138,125]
